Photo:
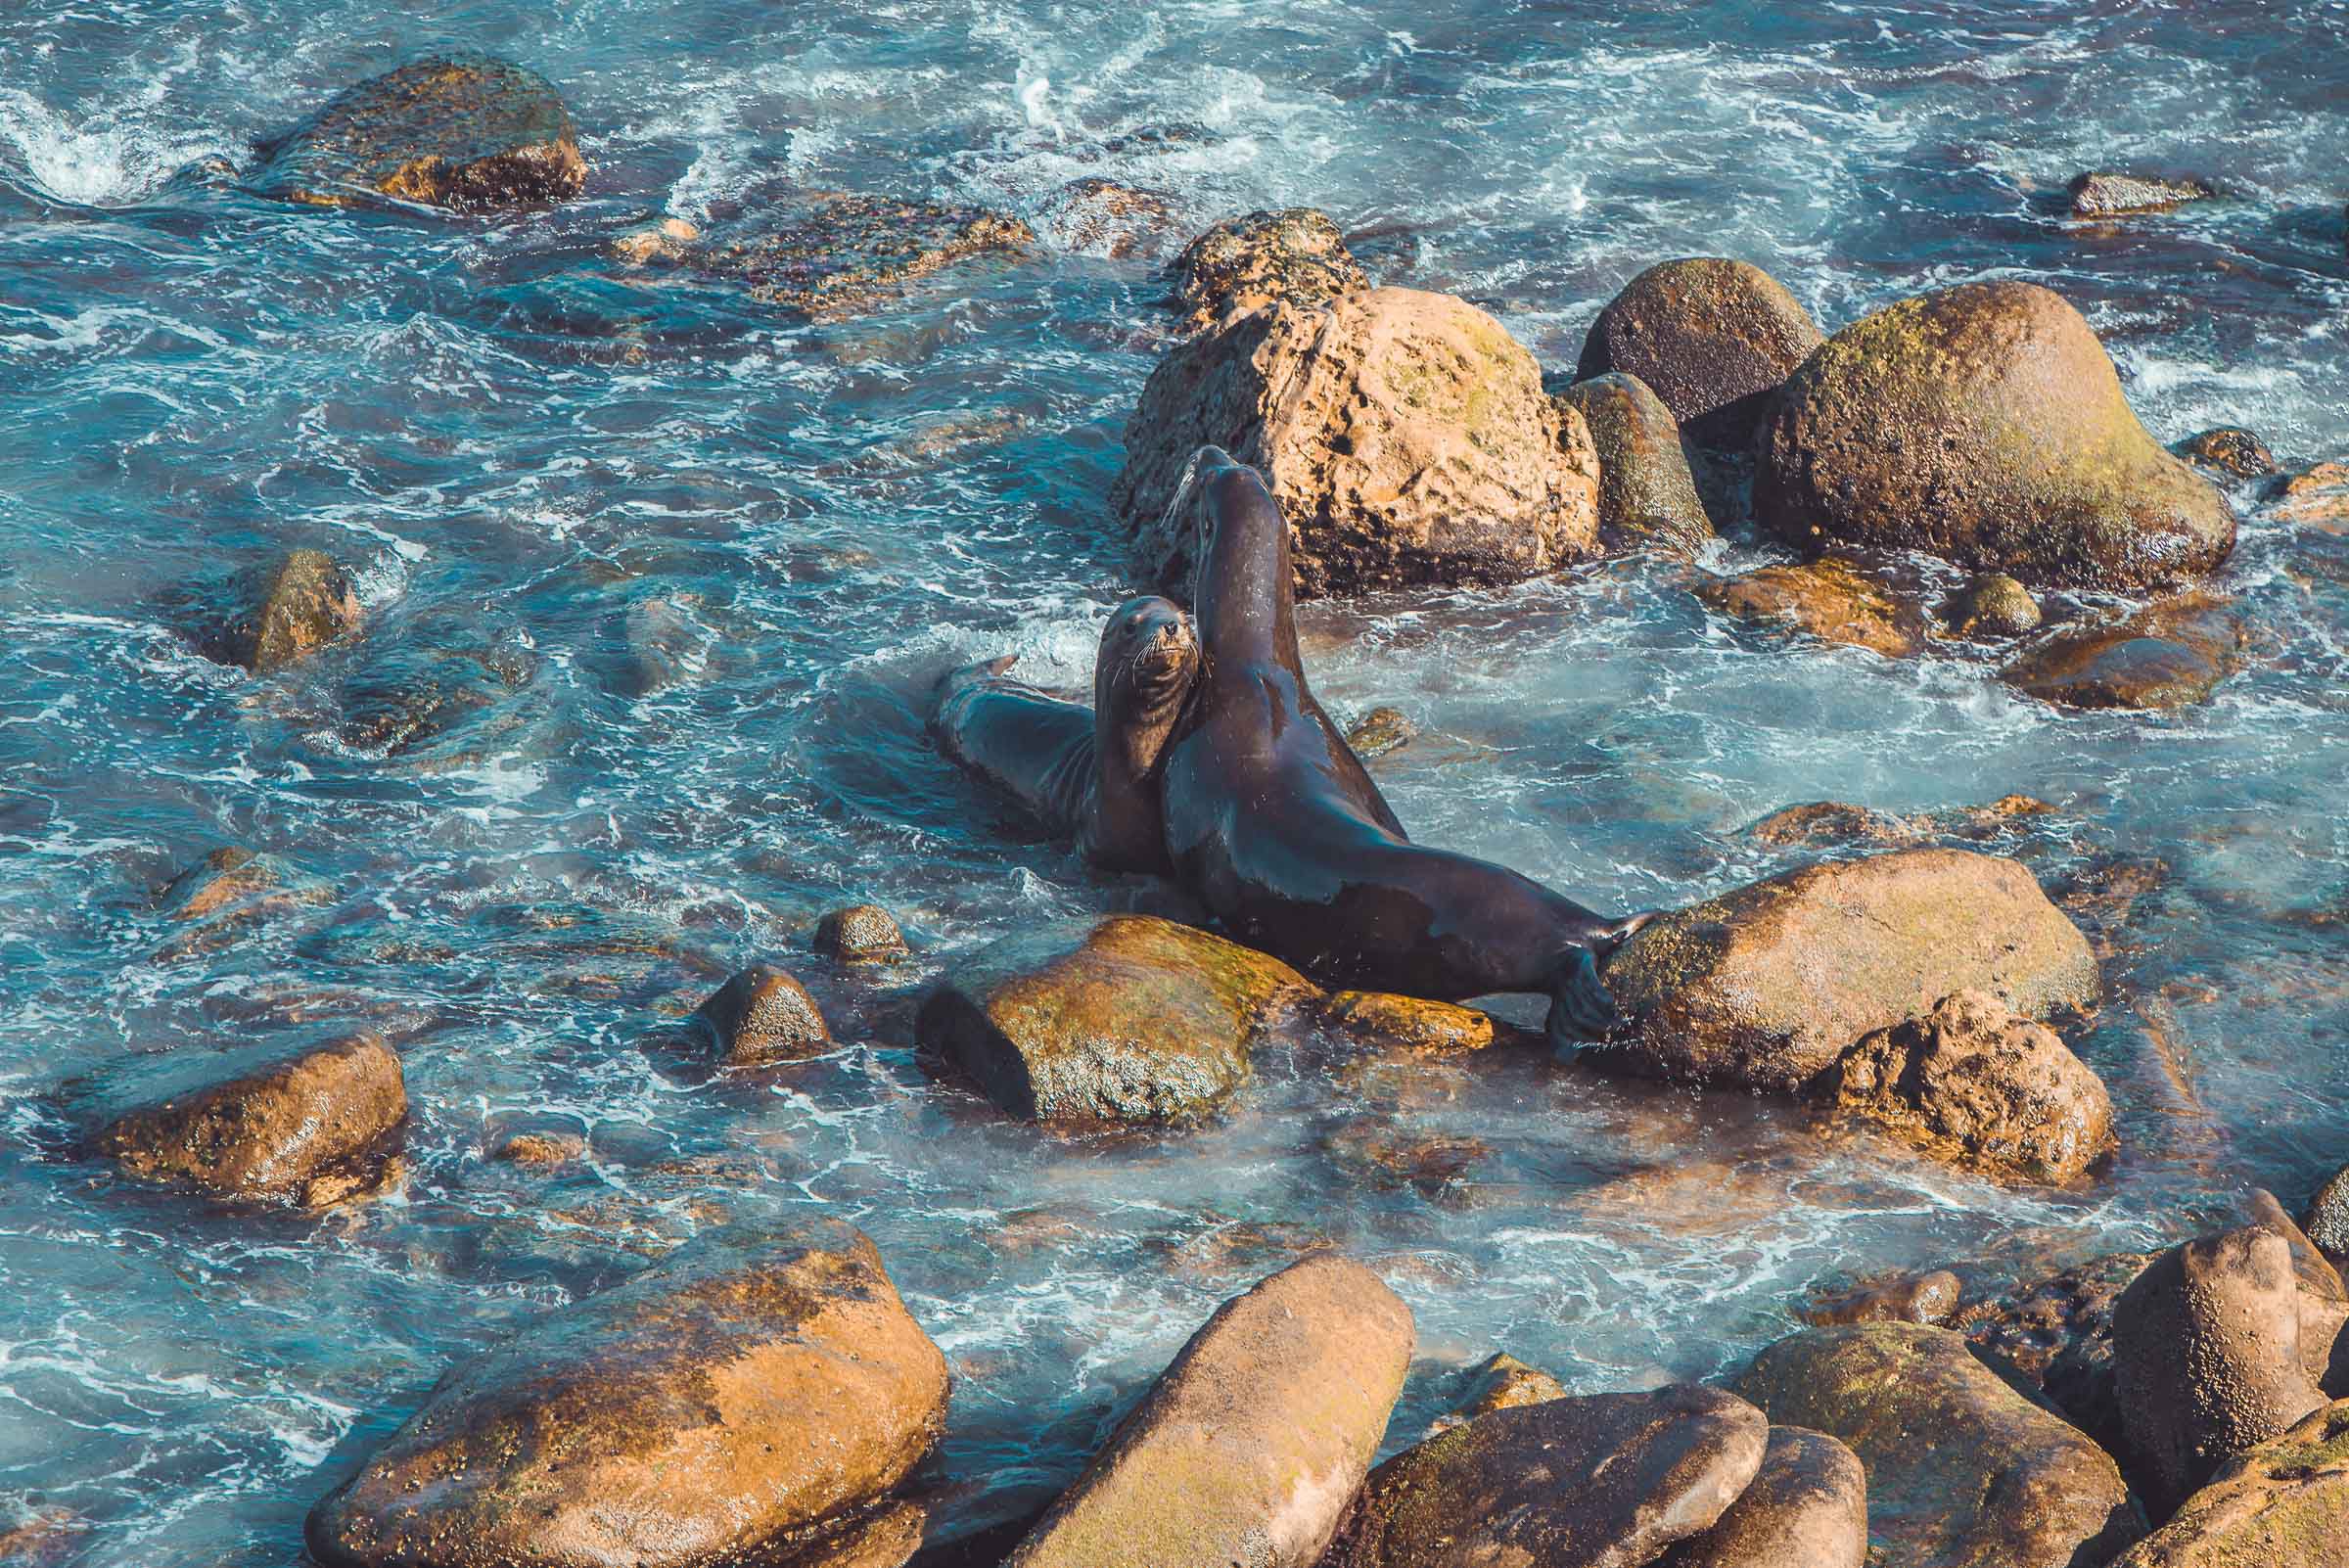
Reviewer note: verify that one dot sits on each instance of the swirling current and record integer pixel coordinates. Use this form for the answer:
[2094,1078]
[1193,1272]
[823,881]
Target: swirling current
[689,561]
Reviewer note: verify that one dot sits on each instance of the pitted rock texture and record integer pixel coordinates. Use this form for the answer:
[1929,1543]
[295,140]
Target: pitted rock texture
[2285,1502]
[764,1015]
[1294,256]
[1712,338]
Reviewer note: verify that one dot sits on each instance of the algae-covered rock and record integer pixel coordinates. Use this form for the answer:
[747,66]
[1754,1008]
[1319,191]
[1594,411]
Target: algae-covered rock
[1294,256]
[1820,823]
[860,934]
[1250,1445]
[1388,1022]
[1983,423]
[2285,1502]
[1647,497]
[1578,1483]
[1380,730]
[2108,195]
[1807,1508]
[756,1384]
[1714,339]
[1096,216]
[282,611]
[1768,985]
[764,1015]
[1125,1019]
[1829,599]
[458,130]
[1962,1471]
[1993,605]
[832,254]
[2227,450]
[2168,655]
[1501,1382]
[1406,436]
[1972,1083]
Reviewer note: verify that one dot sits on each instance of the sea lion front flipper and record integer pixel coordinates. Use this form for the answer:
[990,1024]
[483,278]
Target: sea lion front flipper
[1580,1007]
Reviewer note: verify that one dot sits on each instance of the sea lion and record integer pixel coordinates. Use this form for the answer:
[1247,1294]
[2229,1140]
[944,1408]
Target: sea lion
[1275,825]
[1091,773]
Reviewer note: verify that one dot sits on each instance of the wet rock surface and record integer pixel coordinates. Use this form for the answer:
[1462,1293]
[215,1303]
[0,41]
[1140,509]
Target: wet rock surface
[1806,1507]
[1250,1445]
[2053,1339]
[1098,216]
[310,1127]
[860,934]
[1818,823]
[1381,731]
[2227,450]
[1405,435]
[1984,424]
[754,1384]
[2110,194]
[2318,496]
[1126,1019]
[1647,497]
[1712,338]
[2169,654]
[2326,1217]
[832,254]
[1386,1022]
[2283,1502]
[1927,1298]
[761,1016]
[1578,1483]
[1962,1471]
[1766,985]
[1295,255]
[1974,1084]
[458,130]
[1830,599]
[1501,1383]
[280,612]
[1992,605]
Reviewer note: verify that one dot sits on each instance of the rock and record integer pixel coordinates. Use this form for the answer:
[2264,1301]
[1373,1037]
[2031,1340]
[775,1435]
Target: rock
[2207,1357]
[2321,1295]
[861,934]
[2326,1218]
[1381,731]
[1602,1481]
[1096,216]
[455,130]
[753,1386]
[541,1148]
[1962,1469]
[1405,435]
[1295,256]
[1647,496]
[1768,985]
[764,1015]
[1928,1298]
[224,896]
[1501,1383]
[2317,496]
[1830,599]
[312,1126]
[1974,1084]
[1387,1022]
[1985,425]
[2286,1502]
[832,254]
[1807,1508]
[889,1539]
[1254,1439]
[1387,1154]
[283,611]
[1993,605]
[1826,822]
[2166,656]
[665,240]
[2104,195]
[42,1538]
[1128,1018]
[2227,450]
[1714,339]
[2053,1339]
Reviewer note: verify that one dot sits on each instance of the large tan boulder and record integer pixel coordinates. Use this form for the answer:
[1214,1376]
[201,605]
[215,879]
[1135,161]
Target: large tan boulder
[2286,1502]
[1984,424]
[1768,985]
[1129,1018]
[1254,1439]
[1714,338]
[749,1389]
[1406,436]
[1962,1471]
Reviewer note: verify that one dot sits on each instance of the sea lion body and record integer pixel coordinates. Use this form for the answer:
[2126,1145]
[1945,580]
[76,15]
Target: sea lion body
[1091,774]
[1274,823]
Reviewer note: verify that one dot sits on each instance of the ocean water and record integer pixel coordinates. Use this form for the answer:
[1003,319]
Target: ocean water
[683,565]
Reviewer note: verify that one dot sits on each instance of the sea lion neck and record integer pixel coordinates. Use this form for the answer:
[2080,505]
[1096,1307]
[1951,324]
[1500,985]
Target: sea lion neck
[1246,601]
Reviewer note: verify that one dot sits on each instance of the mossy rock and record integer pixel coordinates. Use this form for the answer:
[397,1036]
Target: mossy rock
[2167,656]
[1128,1019]
[832,254]
[1714,339]
[1647,497]
[2283,1502]
[1984,424]
[464,132]
[1831,599]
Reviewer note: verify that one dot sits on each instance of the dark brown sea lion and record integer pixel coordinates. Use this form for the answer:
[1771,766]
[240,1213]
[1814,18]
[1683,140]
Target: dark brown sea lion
[1090,773]
[1273,824]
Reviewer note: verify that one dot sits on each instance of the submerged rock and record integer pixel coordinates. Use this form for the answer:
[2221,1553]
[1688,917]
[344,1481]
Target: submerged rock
[764,1015]
[1405,435]
[280,612]
[1250,1445]
[2053,1339]
[2285,1502]
[2317,496]
[1974,1084]
[1647,497]
[1387,1022]
[2227,450]
[1575,1483]
[1828,823]
[861,934]
[1927,1298]
[754,1384]
[1768,985]
[1807,1508]
[2106,195]
[1983,423]
[1097,217]
[1126,1019]
[1501,1383]
[1714,339]
[313,1126]
[1993,605]
[458,130]
[2207,1344]
[837,254]
[1962,1471]
[1294,256]
[1381,731]
[1830,599]
[541,1148]
[2168,655]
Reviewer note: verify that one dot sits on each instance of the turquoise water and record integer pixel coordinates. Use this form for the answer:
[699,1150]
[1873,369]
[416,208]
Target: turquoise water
[691,562]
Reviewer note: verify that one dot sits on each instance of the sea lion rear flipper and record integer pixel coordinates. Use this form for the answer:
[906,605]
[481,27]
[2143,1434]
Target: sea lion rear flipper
[1581,1009]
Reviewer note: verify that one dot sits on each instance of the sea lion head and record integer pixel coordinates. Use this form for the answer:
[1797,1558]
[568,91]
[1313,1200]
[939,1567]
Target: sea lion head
[1148,663]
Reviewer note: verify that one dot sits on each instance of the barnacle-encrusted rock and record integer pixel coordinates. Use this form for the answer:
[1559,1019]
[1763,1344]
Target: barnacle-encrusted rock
[1295,256]
[2107,195]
